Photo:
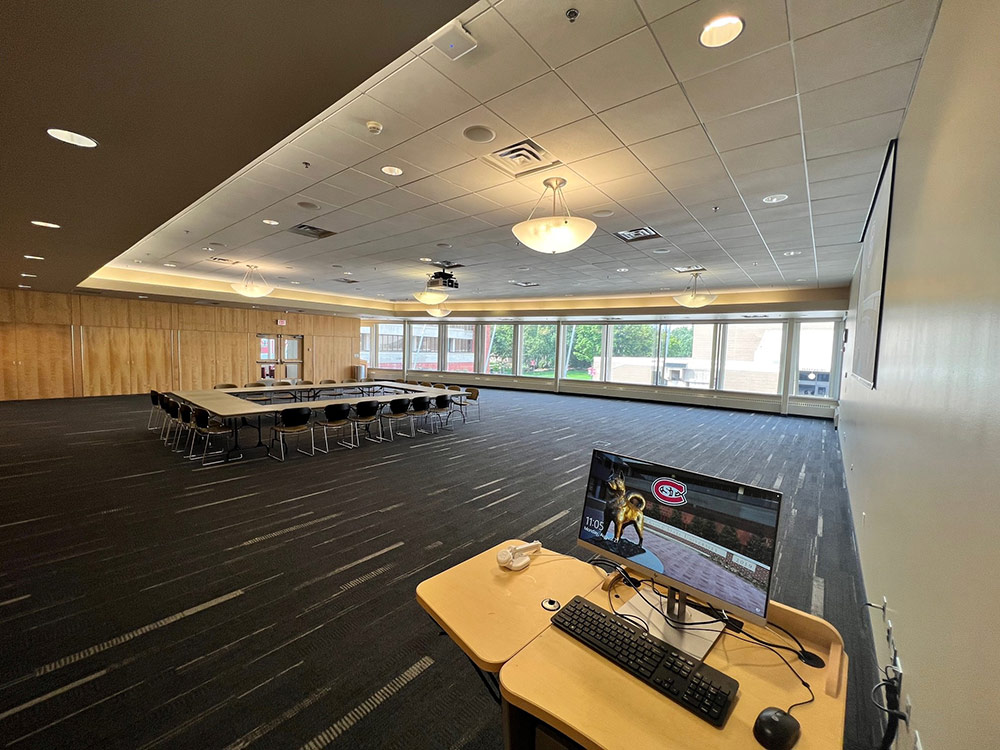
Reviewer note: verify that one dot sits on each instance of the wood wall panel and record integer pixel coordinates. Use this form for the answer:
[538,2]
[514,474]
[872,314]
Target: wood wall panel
[232,319]
[197,318]
[44,370]
[106,361]
[196,356]
[6,305]
[151,355]
[332,358]
[104,311]
[263,321]
[8,362]
[146,314]
[231,364]
[346,326]
[42,307]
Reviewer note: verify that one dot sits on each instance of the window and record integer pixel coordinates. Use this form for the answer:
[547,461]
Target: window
[366,344]
[424,346]
[686,355]
[268,348]
[633,353]
[752,360]
[538,350]
[498,349]
[815,359]
[583,352]
[389,354]
[461,353]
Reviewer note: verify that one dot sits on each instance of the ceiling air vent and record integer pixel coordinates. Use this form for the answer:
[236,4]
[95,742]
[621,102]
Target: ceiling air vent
[524,283]
[521,159]
[687,269]
[225,261]
[445,264]
[634,235]
[347,281]
[308,230]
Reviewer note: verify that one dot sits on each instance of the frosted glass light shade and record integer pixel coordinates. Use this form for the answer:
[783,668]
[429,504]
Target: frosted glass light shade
[554,234]
[253,284]
[438,312]
[430,297]
[691,299]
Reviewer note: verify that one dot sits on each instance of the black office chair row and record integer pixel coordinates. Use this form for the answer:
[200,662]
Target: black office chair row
[176,420]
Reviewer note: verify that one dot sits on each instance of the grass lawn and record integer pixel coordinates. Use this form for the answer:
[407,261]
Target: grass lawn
[571,375]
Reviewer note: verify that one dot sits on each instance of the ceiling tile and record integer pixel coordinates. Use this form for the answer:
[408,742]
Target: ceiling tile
[873,94]
[656,202]
[714,192]
[887,37]
[305,163]
[453,132]
[578,140]
[501,60]
[435,189]
[780,152]
[428,152]
[421,93]
[335,144]
[673,148]
[402,200]
[809,16]
[854,136]
[654,9]
[694,172]
[789,179]
[472,203]
[774,120]
[609,166]
[354,116]
[541,105]
[863,184]
[277,177]
[630,187]
[649,116]
[847,164]
[331,194]
[546,28]
[509,194]
[474,176]
[678,33]
[764,78]
[626,69]
[357,183]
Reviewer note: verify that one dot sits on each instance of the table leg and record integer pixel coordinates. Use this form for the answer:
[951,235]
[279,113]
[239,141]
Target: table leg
[236,443]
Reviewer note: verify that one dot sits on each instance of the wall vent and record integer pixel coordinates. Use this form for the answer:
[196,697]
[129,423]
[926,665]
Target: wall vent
[308,230]
[634,235]
[347,281]
[226,261]
[522,158]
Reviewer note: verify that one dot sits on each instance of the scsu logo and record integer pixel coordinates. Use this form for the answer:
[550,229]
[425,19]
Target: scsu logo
[669,491]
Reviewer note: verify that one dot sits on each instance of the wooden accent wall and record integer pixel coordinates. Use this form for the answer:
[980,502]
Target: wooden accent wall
[63,345]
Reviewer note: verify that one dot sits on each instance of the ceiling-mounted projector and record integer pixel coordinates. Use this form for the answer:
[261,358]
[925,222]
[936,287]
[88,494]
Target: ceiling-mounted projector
[442,280]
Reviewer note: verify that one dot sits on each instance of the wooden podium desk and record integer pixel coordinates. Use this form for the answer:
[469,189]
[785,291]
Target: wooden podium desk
[549,678]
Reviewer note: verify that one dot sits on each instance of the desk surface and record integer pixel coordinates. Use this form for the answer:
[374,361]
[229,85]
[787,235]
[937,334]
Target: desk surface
[570,687]
[491,612]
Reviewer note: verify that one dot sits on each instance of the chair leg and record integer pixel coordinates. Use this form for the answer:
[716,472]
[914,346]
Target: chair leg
[355,438]
[312,440]
[206,454]
[152,418]
[326,442]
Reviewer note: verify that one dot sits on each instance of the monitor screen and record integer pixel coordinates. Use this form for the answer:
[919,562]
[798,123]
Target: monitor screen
[708,537]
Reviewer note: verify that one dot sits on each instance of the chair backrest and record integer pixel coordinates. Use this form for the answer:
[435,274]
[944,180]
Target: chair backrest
[295,417]
[201,417]
[337,412]
[440,385]
[154,396]
[399,405]
[256,384]
[473,394]
[185,413]
[420,403]
[442,401]
[305,382]
[161,399]
[366,409]
[225,385]
[284,382]
[454,387]
[173,408]
[425,384]
[327,382]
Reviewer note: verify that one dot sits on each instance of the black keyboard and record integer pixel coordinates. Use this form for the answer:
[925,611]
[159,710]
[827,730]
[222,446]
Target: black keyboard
[700,689]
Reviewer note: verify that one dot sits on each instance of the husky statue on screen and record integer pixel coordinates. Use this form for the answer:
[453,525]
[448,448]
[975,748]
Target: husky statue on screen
[623,508]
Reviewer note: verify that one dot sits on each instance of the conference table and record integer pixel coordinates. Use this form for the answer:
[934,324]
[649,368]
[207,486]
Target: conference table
[226,404]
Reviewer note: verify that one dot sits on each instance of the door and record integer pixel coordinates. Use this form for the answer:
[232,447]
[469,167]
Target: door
[152,363]
[279,356]
[106,366]
[8,362]
[44,364]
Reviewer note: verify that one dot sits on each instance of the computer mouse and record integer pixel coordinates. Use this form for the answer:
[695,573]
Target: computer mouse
[776,729]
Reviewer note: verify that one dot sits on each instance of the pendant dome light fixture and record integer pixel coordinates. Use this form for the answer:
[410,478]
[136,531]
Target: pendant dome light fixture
[253,284]
[428,296]
[692,297]
[558,233]
[438,312]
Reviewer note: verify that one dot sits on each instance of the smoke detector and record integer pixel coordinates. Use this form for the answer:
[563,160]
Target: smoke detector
[374,127]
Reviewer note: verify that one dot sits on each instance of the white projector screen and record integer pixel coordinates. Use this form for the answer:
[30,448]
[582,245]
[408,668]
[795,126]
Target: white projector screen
[871,280]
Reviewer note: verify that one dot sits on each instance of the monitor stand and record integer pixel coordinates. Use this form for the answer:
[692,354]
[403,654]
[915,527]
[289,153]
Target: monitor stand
[696,641]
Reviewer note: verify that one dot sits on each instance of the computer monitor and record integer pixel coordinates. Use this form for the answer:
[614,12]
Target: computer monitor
[708,537]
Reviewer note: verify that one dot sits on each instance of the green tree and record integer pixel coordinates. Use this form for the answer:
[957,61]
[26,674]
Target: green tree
[538,347]
[585,345]
[634,341]
[500,356]
[729,539]
[681,342]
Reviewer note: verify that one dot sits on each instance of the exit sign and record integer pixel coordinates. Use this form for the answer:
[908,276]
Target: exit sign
[282,322]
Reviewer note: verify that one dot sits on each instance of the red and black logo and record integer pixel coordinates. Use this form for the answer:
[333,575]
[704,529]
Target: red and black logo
[669,491]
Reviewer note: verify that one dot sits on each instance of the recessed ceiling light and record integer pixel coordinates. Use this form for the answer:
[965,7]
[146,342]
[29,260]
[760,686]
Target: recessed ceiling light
[29,275]
[74,139]
[424,260]
[137,261]
[308,205]
[23,286]
[348,273]
[170,265]
[721,31]
[270,222]
[392,171]
[621,270]
[294,282]
[662,250]
[443,244]
[776,198]
[46,224]
[799,280]
[603,213]
[143,296]
[790,253]
[34,257]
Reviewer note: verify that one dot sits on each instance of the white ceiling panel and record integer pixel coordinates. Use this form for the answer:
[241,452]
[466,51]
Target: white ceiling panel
[471,204]
[336,145]
[276,177]
[609,166]
[695,172]
[873,94]
[766,27]
[809,16]
[856,184]
[453,131]
[870,132]
[631,187]
[649,116]
[435,189]
[501,61]
[654,9]
[305,163]
[402,199]
[775,120]
[509,194]
[548,30]
[764,78]
[353,118]
[421,93]
[474,176]
[579,140]
[625,69]
[539,106]
[780,152]
[714,192]
[673,148]
[357,183]
[427,151]
[846,164]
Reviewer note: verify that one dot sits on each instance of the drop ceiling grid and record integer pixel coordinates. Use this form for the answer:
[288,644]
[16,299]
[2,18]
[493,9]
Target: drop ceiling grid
[628,186]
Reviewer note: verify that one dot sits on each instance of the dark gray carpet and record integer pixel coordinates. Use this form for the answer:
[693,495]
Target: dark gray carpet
[147,602]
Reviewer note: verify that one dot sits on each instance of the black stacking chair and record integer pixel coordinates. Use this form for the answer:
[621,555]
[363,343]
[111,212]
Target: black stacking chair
[442,407]
[207,428]
[420,409]
[258,398]
[185,421]
[155,412]
[293,421]
[399,410]
[335,417]
[173,410]
[366,413]
[162,399]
